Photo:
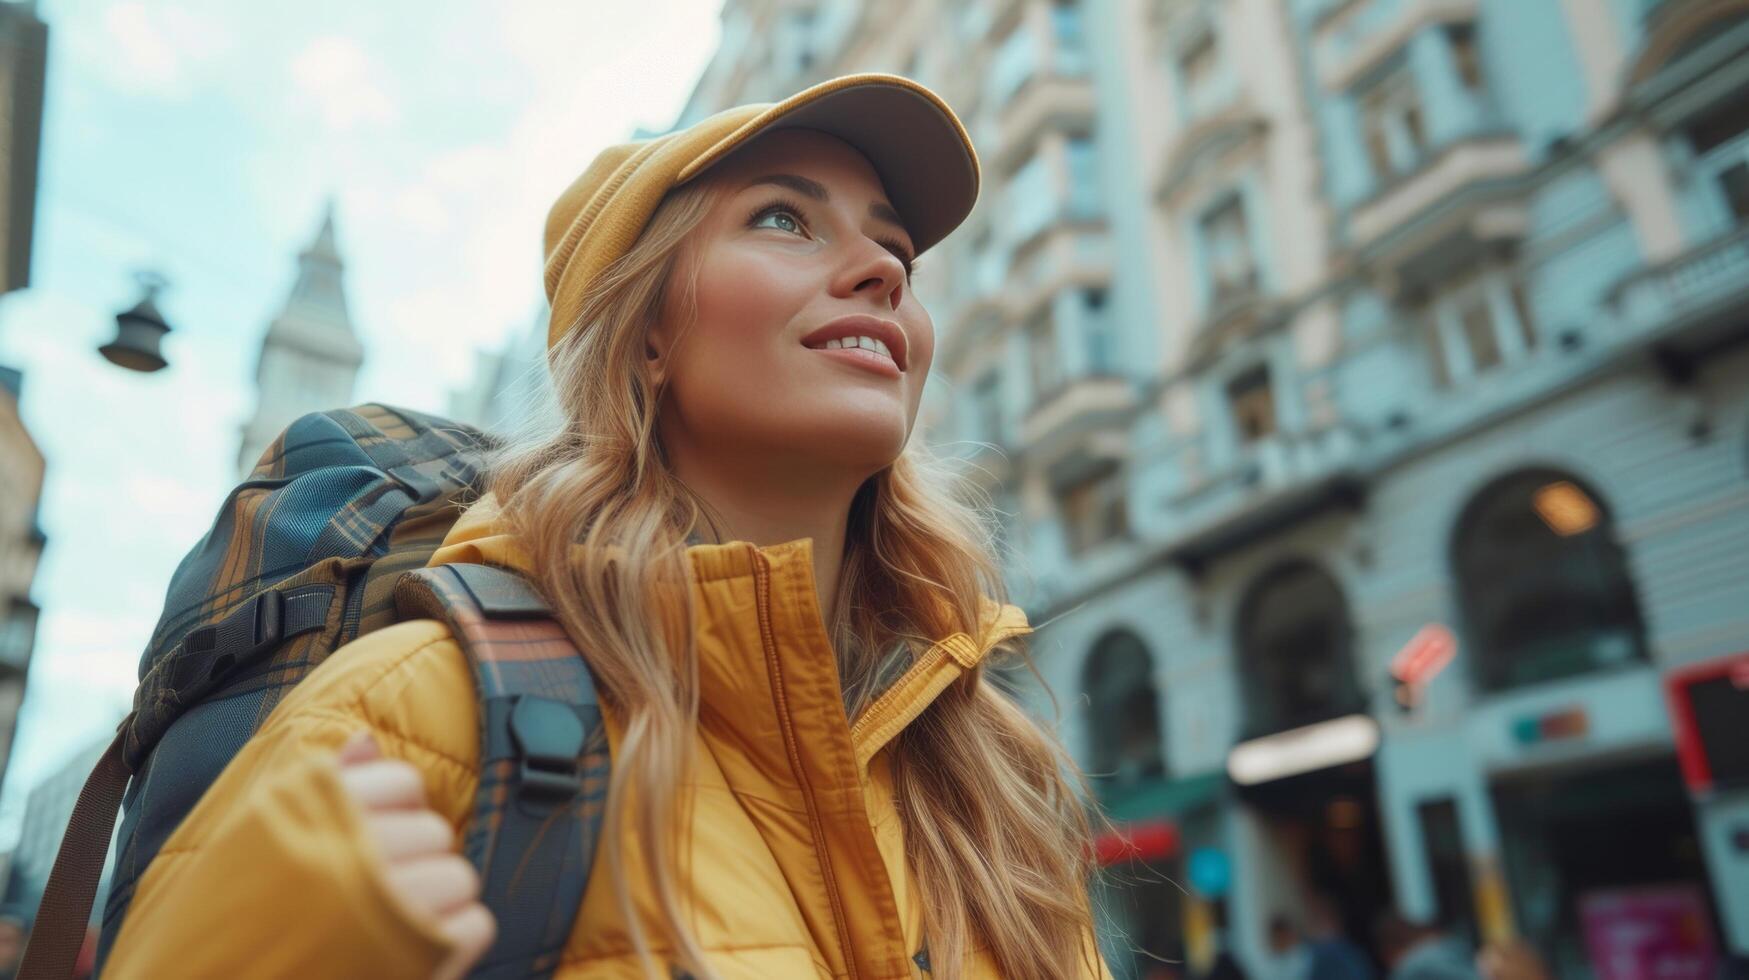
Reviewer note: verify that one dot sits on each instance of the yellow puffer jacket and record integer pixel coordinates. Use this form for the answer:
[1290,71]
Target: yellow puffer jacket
[796,860]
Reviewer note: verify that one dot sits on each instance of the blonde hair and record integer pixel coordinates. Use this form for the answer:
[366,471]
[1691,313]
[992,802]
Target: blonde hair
[993,811]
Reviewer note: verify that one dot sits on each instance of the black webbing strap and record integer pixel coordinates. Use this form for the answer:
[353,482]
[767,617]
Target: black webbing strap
[206,657]
[66,906]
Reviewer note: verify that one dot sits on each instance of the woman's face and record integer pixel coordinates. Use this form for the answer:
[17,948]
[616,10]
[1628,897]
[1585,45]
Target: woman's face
[802,265]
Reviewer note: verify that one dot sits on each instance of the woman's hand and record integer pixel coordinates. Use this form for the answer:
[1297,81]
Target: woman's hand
[424,871]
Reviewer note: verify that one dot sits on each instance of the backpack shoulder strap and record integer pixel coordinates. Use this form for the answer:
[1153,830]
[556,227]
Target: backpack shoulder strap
[543,755]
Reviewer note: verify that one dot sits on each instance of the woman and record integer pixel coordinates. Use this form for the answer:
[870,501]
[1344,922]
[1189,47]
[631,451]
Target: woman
[787,617]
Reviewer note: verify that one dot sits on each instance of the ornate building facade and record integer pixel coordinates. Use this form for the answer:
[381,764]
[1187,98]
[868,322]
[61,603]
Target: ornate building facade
[1290,334]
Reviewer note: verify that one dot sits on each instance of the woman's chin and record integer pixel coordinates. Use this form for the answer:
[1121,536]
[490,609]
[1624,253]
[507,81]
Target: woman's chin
[858,437]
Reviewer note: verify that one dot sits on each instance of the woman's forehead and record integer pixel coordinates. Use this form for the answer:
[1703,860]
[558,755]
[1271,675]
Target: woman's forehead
[817,156]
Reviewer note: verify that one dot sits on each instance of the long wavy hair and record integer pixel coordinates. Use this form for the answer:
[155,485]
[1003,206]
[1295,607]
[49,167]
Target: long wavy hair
[993,810]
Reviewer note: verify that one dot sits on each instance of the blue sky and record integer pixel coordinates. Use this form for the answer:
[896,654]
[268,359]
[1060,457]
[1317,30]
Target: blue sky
[201,138]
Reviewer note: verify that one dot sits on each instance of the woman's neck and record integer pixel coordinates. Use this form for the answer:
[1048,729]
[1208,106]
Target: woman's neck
[769,504]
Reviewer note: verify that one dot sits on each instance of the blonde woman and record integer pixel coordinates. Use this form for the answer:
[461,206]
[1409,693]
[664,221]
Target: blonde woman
[787,616]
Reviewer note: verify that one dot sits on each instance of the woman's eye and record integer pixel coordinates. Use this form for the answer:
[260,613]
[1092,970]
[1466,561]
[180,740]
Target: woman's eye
[781,220]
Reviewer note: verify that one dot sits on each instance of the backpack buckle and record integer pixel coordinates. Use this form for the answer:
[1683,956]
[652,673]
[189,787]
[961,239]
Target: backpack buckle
[269,621]
[548,738]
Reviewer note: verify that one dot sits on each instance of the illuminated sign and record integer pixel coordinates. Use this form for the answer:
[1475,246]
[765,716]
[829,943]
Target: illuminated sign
[1554,726]
[1328,743]
[1425,655]
[1147,841]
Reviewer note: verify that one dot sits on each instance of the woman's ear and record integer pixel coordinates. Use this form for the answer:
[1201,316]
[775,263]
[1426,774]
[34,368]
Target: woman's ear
[657,344]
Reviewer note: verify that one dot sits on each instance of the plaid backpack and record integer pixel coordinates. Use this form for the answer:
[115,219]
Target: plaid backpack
[326,541]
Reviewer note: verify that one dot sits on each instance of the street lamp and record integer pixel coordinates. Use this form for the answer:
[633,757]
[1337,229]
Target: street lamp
[140,331]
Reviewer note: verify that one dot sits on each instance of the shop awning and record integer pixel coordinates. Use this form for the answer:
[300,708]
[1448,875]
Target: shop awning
[1146,817]
[1163,798]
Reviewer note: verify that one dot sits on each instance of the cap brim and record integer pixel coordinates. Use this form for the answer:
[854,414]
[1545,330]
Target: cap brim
[916,144]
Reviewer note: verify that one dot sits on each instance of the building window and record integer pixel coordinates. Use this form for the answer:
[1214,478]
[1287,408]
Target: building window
[1721,147]
[1084,196]
[1295,651]
[1465,55]
[1478,326]
[1032,199]
[1047,361]
[1390,118]
[1101,359]
[1542,583]
[1071,40]
[987,408]
[989,264]
[1226,244]
[1012,67]
[1253,403]
[1094,511]
[1123,715]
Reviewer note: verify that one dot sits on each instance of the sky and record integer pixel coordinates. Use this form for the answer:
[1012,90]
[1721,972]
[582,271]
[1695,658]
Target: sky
[202,139]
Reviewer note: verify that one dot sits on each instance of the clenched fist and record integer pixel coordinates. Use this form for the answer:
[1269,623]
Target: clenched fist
[424,871]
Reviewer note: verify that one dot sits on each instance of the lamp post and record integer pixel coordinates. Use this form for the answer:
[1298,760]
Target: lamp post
[140,331]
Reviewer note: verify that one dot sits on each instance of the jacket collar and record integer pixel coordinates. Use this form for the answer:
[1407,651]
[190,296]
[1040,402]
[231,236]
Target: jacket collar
[763,650]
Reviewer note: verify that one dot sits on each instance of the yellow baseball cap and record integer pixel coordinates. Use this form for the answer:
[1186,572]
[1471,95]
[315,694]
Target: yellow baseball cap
[916,144]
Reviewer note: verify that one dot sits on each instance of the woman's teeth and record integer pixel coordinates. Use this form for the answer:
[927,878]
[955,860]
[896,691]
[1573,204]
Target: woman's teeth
[866,343]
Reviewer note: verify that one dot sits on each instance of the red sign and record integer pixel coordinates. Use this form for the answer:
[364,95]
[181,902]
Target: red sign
[1425,655]
[1709,707]
[1148,841]
[1637,934]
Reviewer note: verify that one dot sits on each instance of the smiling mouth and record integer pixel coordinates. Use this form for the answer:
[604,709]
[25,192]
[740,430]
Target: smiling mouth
[863,340]
[867,345]
[861,352]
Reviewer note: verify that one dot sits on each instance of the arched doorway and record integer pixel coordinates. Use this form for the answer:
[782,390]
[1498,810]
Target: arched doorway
[1316,812]
[1296,659]
[1126,763]
[1542,584]
[1123,718]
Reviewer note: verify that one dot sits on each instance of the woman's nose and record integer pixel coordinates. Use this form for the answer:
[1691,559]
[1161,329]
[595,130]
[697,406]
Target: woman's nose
[876,272]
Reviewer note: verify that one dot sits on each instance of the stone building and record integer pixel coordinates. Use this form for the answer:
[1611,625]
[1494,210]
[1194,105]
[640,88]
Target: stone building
[310,358]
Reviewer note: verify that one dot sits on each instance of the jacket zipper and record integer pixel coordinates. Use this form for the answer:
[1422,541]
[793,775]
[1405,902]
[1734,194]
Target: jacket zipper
[774,669]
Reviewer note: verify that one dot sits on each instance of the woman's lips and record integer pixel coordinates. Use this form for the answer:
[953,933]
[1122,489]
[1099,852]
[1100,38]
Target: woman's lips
[867,360]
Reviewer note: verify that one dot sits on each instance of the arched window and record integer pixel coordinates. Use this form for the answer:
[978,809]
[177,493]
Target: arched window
[1542,585]
[1296,663]
[1123,714]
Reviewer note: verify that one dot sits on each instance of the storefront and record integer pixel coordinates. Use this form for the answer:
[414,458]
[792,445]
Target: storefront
[1606,870]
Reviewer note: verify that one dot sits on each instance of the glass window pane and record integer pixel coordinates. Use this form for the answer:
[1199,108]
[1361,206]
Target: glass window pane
[1295,651]
[1253,403]
[1047,363]
[1734,182]
[1542,598]
[1226,242]
[1478,331]
[1436,354]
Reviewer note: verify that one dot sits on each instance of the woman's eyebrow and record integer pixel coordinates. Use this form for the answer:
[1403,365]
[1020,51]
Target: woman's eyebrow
[879,210]
[801,185]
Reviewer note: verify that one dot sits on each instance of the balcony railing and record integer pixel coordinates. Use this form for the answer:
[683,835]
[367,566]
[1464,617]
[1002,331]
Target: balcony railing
[1269,484]
[1363,34]
[1086,415]
[1468,196]
[1049,97]
[1696,286]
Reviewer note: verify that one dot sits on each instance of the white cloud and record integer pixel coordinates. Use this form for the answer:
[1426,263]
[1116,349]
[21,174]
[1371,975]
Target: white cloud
[157,50]
[343,84]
